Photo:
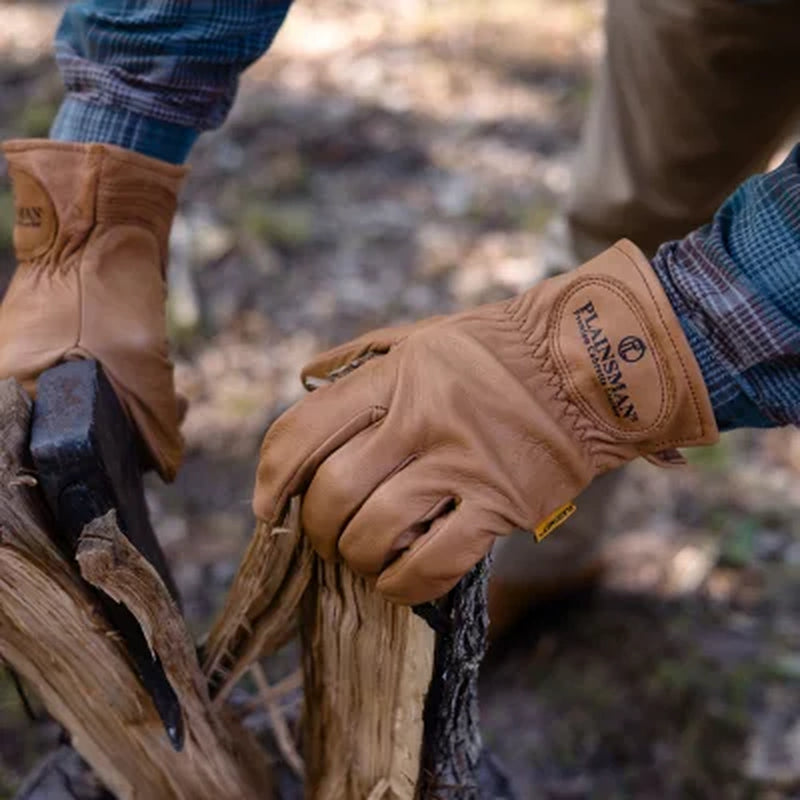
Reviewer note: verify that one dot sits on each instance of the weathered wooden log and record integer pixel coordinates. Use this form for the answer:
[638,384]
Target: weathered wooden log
[367,665]
[261,609]
[369,674]
[52,634]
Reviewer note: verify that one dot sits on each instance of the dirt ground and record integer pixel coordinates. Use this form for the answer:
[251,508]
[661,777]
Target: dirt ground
[395,159]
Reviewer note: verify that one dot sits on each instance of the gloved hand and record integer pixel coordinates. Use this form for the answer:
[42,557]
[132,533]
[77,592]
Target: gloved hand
[91,229]
[449,433]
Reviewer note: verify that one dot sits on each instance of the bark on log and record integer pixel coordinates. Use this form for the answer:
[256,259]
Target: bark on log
[52,635]
[456,765]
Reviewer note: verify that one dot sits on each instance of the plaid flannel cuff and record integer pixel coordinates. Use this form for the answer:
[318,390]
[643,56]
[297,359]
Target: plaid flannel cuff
[733,407]
[78,121]
[684,277]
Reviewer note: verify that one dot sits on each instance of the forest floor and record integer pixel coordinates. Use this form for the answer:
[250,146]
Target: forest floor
[392,160]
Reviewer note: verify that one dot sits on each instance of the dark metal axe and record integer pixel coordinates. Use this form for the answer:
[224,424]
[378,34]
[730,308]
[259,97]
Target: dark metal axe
[88,461]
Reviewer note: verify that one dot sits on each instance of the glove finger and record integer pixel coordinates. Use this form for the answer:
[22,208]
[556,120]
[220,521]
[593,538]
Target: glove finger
[354,352]
[436,561]
[345,480]
[309,432]
[395,515]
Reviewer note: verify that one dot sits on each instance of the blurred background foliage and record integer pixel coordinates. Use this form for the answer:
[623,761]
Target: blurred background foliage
[394,159]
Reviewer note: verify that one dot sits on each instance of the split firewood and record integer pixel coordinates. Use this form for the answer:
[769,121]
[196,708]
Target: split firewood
[53,636]
[367,663]
[390,707]
[367,666]
[261,609]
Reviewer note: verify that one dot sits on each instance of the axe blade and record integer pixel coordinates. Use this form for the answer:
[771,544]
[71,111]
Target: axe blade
[88,461]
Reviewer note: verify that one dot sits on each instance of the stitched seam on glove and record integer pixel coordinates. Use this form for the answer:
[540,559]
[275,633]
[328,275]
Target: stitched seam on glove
[539,352]
[704,432]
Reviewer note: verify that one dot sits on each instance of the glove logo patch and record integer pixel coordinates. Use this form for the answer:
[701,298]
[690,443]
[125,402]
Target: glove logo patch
[631,349]
[35,219]
[608,357]
[29,216]
[606,367]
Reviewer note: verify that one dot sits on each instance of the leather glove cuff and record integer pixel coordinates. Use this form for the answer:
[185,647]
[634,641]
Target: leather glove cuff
[65,190]
[622,370]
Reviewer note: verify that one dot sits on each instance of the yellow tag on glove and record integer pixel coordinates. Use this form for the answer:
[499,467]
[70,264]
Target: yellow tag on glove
[559,516]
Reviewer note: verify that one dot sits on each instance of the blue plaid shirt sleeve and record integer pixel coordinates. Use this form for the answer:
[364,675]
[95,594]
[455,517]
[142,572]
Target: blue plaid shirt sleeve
[735,285]
[150,75]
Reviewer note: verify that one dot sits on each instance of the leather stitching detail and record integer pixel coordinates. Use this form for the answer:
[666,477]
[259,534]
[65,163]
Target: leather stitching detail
[538,351]
[677,350]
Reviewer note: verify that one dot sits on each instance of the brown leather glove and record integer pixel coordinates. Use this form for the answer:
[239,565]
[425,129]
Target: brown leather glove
[90,234]
[463,428]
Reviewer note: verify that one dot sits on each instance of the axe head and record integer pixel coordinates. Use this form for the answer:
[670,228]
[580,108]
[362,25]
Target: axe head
[88,461]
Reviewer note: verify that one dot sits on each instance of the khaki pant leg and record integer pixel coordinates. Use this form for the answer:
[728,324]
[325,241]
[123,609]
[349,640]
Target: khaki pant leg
[692,97]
